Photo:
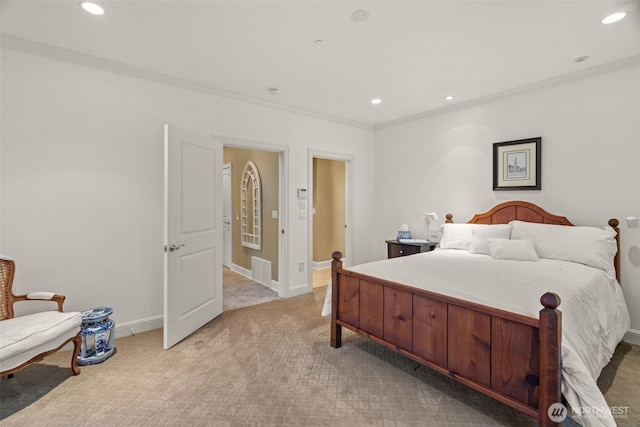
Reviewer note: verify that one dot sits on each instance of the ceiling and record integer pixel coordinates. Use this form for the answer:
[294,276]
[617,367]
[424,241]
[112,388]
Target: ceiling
[410,54]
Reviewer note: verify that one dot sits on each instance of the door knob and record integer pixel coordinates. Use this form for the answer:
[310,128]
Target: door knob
[173,248]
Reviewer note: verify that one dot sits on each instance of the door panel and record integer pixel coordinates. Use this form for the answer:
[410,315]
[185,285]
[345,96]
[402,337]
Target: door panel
[193,233]
[197,274]
[198,189]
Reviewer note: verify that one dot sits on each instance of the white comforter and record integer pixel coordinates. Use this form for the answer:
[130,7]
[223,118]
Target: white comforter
[594,313]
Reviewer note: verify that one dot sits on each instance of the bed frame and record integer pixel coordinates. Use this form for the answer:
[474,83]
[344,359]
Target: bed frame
[512,358]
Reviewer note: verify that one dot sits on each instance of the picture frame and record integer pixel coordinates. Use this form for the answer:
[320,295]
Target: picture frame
[517,165]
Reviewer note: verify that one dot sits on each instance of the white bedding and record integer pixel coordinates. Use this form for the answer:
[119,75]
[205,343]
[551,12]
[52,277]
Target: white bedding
[594,313]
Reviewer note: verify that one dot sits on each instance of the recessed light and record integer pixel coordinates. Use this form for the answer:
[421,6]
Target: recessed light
[614,17]
[581,59]
[449,97]
[376,101]
[92,8]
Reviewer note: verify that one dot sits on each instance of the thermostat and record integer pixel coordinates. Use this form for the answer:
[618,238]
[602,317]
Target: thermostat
[302,194]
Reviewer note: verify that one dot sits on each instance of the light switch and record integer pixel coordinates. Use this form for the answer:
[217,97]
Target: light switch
[302,215]
[274,214]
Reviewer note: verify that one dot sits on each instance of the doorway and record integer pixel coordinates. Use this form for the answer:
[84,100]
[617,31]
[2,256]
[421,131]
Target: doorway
[330,213]
[245,288]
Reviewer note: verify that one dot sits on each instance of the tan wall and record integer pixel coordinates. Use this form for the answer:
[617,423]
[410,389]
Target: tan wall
[267,164]
[329,204]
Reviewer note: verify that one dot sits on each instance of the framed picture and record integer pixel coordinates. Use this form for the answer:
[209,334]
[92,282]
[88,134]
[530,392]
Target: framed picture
[516,165]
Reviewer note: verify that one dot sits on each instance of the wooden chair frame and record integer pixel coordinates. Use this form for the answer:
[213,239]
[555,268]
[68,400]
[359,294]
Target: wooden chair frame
[7,300]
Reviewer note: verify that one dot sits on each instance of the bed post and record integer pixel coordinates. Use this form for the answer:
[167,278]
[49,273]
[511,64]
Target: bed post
[613,223]
[336,330]
[449,219]
[550,336]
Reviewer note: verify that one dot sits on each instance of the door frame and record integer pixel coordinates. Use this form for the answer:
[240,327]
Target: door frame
[228,203]
[283,182]
[348,203]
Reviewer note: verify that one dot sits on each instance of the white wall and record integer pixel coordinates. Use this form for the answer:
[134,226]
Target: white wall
[590,129]
[82,174]
[81,171]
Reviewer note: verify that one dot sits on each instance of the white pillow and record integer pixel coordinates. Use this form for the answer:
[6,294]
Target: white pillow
[455,236]
[480,234]
[591,246]
[460,236]
[518,250]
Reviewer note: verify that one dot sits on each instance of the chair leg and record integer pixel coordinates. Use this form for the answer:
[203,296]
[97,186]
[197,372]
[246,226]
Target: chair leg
[77,343]
[10,376]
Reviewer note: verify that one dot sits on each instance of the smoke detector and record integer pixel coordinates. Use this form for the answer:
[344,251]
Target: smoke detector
[274,91]
[360,15]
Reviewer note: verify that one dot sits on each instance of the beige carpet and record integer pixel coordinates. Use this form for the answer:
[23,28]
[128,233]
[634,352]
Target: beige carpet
[269,364]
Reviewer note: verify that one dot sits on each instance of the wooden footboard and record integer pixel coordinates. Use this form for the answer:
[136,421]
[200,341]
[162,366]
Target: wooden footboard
[512,358]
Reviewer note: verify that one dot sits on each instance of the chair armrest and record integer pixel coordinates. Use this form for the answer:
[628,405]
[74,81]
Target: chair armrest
[42,296]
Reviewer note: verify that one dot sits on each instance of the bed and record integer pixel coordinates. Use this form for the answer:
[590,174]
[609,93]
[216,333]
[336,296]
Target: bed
[486,315]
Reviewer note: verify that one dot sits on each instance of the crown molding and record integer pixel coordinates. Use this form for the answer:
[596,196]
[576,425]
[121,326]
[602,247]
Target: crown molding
[78,58]
[74,57]
[599,69]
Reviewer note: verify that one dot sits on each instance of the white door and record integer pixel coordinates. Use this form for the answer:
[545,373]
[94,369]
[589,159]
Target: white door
[192,233]
[226,215]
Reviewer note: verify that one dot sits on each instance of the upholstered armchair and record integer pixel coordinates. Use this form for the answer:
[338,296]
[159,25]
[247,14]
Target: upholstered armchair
[29,339]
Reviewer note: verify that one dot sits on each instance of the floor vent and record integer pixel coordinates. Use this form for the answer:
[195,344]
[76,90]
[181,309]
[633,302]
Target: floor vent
[261,270]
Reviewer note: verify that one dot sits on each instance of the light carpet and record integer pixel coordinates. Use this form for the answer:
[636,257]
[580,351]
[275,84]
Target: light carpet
[269,364]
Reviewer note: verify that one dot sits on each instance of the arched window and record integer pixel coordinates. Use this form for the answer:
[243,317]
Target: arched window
[251,207]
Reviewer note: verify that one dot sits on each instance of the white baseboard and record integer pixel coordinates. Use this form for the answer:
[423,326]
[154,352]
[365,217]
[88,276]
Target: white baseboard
[317,265]
[632,337]
[241,270]
[275,285]
[138,326]
[299,290]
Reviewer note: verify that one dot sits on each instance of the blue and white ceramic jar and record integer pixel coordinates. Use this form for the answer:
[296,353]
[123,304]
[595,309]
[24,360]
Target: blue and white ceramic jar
[98,336]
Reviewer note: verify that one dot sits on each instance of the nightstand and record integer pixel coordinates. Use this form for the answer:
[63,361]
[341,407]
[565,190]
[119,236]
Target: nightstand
[396,249]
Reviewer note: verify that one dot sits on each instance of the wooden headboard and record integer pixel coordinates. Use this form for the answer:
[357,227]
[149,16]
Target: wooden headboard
[525,211]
